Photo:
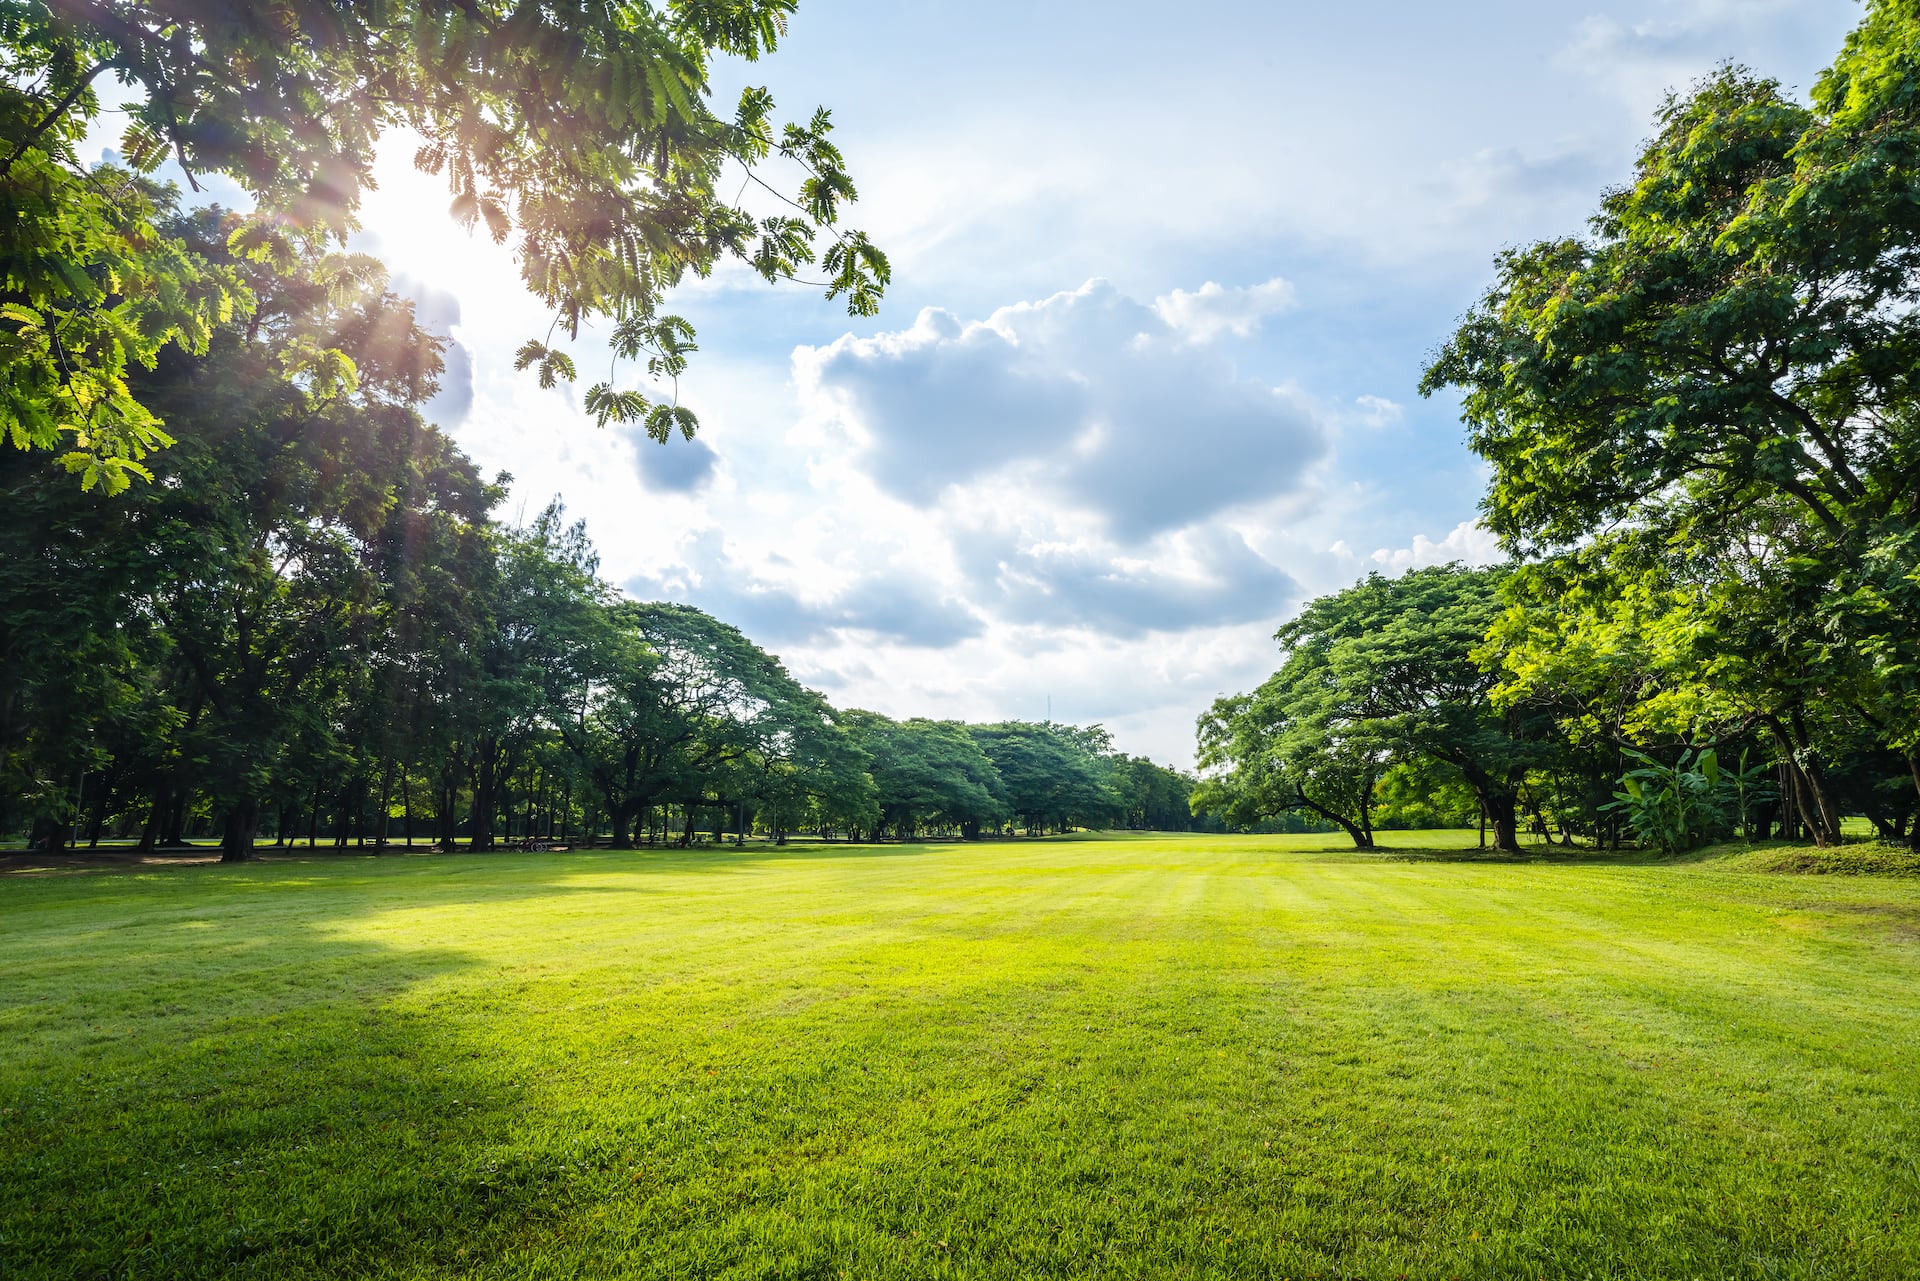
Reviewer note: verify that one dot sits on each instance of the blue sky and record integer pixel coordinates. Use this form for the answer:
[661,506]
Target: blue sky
[1165,277]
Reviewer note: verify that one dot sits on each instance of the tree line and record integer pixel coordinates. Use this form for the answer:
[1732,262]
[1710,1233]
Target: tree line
[309,626]
[1702,421]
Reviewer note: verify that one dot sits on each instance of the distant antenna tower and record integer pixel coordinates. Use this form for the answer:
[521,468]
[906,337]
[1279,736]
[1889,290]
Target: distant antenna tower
[1049,709]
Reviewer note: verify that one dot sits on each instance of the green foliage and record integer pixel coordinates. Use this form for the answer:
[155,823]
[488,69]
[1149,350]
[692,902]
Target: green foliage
[1391,670]
[928,773]
[1422,793]
[1713,396]
[1054,775]
[1154,797]
[1674,807]
[579,133]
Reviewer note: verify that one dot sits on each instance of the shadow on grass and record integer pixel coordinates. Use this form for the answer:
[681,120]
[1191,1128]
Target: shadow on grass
[194,1091]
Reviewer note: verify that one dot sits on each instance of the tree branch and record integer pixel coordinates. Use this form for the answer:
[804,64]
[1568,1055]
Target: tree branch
[59,109]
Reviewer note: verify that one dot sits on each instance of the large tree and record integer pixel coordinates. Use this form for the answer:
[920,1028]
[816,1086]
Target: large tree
[1053,774]
[1724,371]
[1389,669]
[581,132]
[242,598]
[1291,745]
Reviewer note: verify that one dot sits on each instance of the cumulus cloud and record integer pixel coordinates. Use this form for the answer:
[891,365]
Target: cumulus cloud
[1205,577]
[1469,541]
[675,466]
[1509,182]
[891,602]
[1087,399]
[1212,310]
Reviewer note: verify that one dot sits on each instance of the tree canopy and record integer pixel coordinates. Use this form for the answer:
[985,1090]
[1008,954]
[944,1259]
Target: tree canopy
[1703,425]
[1705,412]
[579,133]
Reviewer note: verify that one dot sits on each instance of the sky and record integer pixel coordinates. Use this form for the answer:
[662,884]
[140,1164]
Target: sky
[1165,279]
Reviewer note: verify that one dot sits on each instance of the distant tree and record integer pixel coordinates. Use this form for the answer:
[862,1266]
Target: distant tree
[928,772]
[1052,776]
[689,711]
[1291,745]
[1389,670]
[1151,795]
[544,638]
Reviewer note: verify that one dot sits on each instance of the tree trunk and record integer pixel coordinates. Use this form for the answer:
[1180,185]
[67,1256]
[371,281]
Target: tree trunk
[1816,808]
[1506,834]
[173,826]
[236,843]
[622,817]
[1361,832]
[156,813]
[340,820]
[102,792]
[385,819]
[484,800]
[1913,832]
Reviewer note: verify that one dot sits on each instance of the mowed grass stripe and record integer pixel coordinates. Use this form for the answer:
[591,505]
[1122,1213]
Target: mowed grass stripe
[1129,1057]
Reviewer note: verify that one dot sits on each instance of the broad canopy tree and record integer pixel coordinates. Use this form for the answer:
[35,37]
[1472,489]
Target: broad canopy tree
[267,542]
[1722,376]
[687,710]
[928,772]
[1388,670]
[1054,775]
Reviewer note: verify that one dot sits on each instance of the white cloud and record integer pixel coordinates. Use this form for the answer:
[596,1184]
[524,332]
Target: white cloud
[890,600]
[1206,576]
[1378,411]
[1212,310]
[1087,400]
[1468,541]
[673,466]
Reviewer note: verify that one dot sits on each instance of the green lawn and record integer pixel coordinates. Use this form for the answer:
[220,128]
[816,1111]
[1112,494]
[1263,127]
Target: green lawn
[1253,1057]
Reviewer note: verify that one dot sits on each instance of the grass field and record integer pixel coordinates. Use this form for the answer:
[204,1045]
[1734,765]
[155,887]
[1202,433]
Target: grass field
[1179,1057]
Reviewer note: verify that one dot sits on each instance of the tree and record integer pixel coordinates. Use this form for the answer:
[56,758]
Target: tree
[1051,773]
[1293,744]
[687,710]
[928,772]
[1153,796]
[579,131]
[270,583]
[1726,367]
[545,637]
[225,620]
[1391,669]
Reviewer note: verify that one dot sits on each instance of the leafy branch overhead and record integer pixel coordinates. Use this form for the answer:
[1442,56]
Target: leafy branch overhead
[578,132]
